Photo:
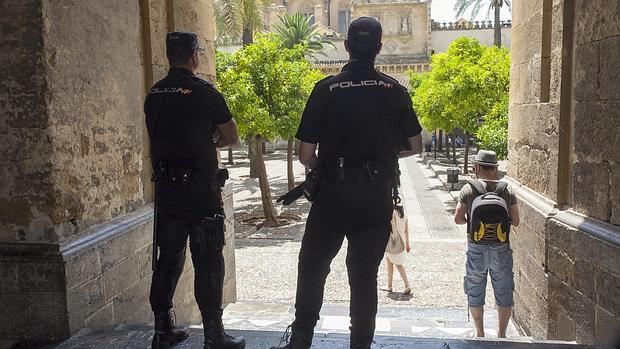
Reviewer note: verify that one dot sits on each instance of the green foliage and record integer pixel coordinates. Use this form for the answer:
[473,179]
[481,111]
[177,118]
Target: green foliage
[297,29]
[493,134]
[464,84]
[266,86]
[232,17]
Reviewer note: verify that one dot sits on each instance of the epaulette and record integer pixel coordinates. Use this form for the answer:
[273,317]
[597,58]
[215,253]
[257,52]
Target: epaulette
[203,81]
[324,79]
[393,80]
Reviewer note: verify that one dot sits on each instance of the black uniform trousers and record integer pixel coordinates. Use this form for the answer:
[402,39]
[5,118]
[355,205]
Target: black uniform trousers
[173,231]
[361,212]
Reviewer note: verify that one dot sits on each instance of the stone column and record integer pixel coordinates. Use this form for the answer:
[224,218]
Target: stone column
[75,219]
[563,131]
[319,16]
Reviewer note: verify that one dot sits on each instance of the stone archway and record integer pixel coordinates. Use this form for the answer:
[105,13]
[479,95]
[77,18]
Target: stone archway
[74,213]
[75,218]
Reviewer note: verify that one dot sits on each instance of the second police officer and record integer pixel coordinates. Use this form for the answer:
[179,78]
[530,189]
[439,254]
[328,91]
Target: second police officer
[357,118]
[187,120]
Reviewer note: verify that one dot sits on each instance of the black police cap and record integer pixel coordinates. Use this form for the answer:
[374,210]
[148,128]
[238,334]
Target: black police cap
[182,40]
[364,34]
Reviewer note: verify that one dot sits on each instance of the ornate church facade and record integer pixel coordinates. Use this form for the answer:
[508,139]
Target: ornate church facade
[406,30]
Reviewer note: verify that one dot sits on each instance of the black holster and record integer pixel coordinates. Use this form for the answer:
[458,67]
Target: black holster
[209,230]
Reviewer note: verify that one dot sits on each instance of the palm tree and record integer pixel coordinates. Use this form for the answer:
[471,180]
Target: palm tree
[237,20]
[297,29]
[462,5]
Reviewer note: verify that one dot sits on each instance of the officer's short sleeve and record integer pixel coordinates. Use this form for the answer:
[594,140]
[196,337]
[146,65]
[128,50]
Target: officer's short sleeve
[409,120]
[309,129]
[218,107]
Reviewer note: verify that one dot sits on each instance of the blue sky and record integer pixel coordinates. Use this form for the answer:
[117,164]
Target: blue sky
[443,11]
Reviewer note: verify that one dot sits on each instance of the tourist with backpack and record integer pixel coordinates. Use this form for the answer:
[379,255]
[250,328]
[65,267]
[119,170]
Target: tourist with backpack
[397,249]
[489,207]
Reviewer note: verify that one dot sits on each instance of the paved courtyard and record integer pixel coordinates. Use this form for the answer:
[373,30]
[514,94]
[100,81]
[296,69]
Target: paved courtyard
[267,261]
[433,317]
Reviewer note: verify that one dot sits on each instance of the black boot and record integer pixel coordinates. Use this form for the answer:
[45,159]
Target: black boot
[361,341]
[216,338]
[295,338]
[166,334]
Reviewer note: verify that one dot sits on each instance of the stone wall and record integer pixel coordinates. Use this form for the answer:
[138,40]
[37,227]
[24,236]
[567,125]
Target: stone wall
[26,191]
[441,39]
[75,219]
[406,26]
[563,128]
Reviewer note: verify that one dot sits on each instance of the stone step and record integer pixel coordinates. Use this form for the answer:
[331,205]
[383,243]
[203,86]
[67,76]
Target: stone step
[391,321]
[130,337]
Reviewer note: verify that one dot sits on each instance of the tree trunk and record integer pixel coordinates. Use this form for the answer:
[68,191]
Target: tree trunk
[466,164]
[246,37]
[440,141]
[264,147]
[296,149]
[230,155]
[263,182]
[454,146]
[289,163]
[435,133]
[497,28]
[447,145]
[253,166]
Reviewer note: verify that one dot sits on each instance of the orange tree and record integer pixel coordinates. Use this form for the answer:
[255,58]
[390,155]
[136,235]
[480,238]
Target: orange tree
[266,86]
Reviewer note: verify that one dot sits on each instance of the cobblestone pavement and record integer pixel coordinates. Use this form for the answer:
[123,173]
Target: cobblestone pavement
[267,259]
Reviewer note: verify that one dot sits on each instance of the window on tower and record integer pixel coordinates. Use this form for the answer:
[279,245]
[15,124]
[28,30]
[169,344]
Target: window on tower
[344,18]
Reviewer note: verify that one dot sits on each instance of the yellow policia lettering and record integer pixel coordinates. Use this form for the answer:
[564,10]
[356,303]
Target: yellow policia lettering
[362,83]
[181,90]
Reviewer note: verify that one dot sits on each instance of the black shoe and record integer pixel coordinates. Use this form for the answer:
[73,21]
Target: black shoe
[216,338]
[295,338]
[166,334]
[361,342]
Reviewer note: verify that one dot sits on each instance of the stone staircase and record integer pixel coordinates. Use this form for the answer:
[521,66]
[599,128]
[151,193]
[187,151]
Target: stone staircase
[263,325]
[391,321]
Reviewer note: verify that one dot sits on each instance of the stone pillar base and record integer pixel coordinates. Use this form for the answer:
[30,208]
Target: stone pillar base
[100,279]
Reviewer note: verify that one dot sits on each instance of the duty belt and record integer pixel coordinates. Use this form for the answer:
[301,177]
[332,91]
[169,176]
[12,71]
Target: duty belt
[343,170]
[182,175]
[172,174]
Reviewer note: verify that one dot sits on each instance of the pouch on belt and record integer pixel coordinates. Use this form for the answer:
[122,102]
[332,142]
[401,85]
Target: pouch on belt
[209,229]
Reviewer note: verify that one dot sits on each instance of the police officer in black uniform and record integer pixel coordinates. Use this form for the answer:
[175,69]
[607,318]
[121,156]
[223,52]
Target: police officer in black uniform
[187,120]
[358,118]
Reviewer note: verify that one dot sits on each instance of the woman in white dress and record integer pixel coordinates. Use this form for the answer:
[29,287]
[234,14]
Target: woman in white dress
[400,225]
